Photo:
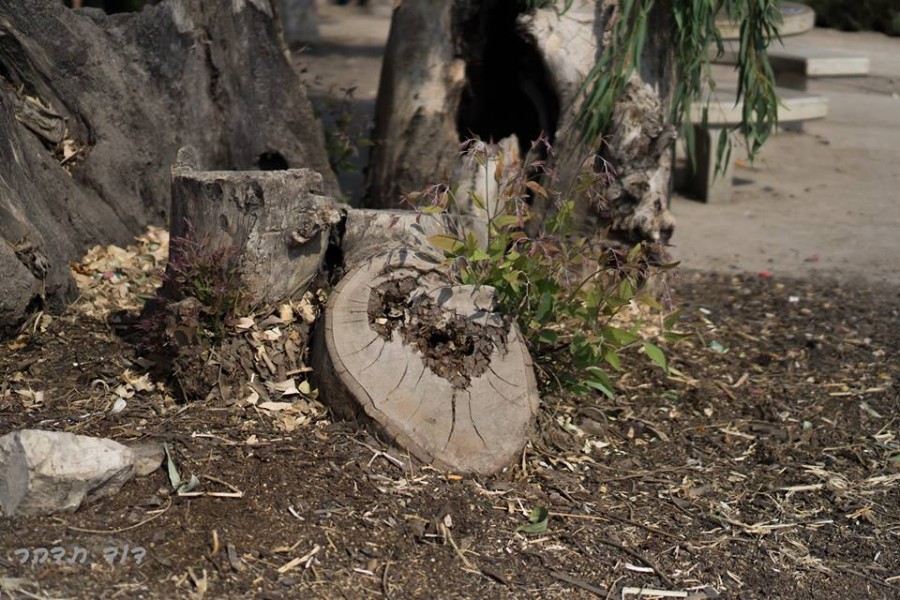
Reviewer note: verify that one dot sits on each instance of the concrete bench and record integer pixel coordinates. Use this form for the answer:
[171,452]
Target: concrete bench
[795,65]
[722,112]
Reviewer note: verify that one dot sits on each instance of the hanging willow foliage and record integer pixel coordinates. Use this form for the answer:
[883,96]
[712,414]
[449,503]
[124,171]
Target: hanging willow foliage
[695,21]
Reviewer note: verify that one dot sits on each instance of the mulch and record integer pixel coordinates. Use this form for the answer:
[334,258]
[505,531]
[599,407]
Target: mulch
[766,464]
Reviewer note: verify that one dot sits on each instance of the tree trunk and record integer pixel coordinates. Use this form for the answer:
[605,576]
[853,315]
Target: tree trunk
[93,110]
[469,68]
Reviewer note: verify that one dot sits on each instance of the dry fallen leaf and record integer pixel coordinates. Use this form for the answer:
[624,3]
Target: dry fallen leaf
[125,391]
[276,406]
[287,386]
[244,323]
[30,397]
[139,383]
[286,313]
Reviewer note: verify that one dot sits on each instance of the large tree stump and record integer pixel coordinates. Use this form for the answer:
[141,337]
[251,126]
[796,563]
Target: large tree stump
[93,110]
[277,223]
[427,363]
[457,69]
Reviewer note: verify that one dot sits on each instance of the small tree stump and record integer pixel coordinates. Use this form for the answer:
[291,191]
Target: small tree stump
[428,363]
[277,222]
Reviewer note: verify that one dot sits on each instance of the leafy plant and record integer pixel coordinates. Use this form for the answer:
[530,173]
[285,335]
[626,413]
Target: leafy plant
[205,282]
[564,292]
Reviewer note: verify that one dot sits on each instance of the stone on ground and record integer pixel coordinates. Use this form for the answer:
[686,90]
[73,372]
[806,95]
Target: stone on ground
[44,472]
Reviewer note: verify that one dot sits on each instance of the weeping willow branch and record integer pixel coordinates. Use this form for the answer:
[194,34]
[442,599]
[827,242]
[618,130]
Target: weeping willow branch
[695,22]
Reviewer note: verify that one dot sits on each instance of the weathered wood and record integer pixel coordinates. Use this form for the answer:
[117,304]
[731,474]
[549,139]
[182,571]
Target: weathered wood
[427,363]
[277,222]
[93,110]
[368,232]
[458,69]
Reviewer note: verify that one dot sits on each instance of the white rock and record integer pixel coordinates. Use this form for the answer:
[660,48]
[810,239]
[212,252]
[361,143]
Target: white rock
[43,472]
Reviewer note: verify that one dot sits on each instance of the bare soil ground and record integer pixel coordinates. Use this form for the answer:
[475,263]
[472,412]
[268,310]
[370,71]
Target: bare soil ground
[768,467]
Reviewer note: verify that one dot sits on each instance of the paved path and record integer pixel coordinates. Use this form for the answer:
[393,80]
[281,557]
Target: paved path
[825,202]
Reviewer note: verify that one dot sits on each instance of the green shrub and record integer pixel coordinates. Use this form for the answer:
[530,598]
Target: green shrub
[564,291]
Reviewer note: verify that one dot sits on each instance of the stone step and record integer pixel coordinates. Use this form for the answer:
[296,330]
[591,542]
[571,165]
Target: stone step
[793,65]
[702,181]
[794,106]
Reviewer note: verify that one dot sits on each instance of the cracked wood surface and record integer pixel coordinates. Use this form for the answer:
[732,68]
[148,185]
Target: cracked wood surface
[387,382]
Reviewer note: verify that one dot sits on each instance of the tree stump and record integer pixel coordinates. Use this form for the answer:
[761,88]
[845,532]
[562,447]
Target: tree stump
[368,232]
[277,223]
[427,363]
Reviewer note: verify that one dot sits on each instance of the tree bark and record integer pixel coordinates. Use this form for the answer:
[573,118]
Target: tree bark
[277,224]
[93,109]
[469,68]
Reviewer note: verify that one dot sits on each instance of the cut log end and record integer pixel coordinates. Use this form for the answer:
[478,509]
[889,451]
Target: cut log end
[277,222]
[427,363]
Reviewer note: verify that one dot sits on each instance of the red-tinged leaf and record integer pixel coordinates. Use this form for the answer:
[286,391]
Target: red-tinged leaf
[537,188]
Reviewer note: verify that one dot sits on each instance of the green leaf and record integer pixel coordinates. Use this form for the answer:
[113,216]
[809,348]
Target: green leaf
[634,252]
[656,354]
[544,307]
[479,255]
[673,337]
[672,320]
[600,381]
[620,336]
[445,242]
[537,521]
[189,486]
[612,359]
[596,385]
[547,337]
[506,221]
[174,477]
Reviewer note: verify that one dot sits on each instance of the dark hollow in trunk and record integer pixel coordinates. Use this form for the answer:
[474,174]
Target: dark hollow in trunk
[457,68]
[508,89]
